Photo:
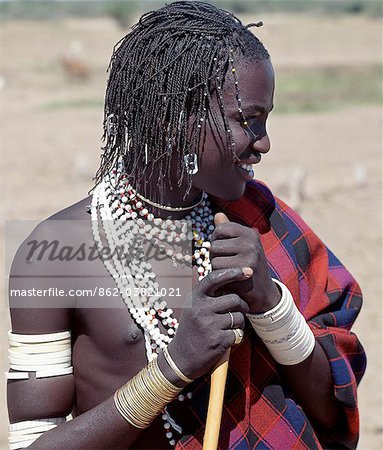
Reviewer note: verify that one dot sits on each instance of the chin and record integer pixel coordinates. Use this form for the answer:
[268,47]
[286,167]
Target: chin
[231,193]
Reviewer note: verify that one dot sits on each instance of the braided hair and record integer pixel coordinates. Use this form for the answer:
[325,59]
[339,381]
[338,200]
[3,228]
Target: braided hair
[162,78]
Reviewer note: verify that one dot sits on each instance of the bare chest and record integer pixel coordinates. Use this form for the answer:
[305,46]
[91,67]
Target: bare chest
[108,346]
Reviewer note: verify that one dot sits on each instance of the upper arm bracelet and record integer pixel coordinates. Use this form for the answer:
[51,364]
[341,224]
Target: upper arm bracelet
[46,354]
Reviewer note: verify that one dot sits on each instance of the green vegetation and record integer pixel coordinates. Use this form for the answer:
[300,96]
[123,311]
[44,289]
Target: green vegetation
[79,103]
[122,10]
[370,7]
[297,90]
[321,89]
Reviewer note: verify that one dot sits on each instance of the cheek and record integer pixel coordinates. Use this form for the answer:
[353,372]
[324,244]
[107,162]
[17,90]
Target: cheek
[217,154]
[214,151]
[241,138]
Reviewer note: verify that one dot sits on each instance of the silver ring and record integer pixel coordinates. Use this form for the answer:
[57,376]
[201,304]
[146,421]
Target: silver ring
[238,335]
[232,320]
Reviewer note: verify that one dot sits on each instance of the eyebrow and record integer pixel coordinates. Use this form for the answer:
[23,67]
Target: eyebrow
[257,109]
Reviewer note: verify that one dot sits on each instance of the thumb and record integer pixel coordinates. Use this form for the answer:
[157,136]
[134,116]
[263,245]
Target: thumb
[220,218]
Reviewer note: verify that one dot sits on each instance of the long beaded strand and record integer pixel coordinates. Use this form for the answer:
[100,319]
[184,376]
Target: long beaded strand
[117,202]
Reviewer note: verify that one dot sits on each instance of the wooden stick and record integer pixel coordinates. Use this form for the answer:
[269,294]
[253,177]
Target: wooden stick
[217,386]
[214,413]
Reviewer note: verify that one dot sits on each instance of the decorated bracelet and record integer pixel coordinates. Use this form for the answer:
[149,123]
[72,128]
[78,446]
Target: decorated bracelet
[284,330]
[174,367]
[143,397]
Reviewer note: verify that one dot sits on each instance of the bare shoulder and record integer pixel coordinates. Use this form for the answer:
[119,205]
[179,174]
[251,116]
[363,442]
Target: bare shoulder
[71,225]
[51,242]
[45,264]
[77,211]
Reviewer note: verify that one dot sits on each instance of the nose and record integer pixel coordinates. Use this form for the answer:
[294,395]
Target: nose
[262,145]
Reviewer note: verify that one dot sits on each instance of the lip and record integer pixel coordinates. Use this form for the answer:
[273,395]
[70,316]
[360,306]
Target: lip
[245,174]
[254,159]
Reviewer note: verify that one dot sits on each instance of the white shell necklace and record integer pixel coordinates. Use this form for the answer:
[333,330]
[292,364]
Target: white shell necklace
[125,220]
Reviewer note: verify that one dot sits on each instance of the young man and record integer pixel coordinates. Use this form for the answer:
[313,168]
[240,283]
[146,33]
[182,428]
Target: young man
[188,97]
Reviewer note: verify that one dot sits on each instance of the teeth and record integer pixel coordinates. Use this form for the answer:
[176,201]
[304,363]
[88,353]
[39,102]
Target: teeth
[247,167]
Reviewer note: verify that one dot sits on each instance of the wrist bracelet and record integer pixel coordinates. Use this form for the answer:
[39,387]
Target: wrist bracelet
[22,434]
[143,397]
[284,330]
[173,365]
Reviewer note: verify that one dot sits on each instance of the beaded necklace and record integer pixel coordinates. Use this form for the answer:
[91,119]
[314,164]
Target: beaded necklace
[125,220]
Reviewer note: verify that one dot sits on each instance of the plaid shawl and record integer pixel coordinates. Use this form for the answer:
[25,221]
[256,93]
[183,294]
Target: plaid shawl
[259,412]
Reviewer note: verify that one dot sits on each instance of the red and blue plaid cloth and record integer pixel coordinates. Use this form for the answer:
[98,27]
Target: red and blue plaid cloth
[259,412]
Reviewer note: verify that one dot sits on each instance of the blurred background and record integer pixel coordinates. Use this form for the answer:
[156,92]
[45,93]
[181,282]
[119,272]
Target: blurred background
[326,130]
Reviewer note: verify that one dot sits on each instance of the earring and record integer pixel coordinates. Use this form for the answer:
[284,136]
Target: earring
[169,145]
[191,163]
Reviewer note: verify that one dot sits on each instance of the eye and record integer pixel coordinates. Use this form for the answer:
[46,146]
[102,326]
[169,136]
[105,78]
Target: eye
[248,121]
[248,124]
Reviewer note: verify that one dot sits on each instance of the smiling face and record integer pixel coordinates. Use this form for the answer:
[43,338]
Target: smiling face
[218,174]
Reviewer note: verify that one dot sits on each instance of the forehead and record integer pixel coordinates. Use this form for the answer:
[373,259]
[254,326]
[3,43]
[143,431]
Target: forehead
[255,85]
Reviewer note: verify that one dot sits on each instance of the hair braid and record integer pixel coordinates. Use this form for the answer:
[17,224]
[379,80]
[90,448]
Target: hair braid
[163,76]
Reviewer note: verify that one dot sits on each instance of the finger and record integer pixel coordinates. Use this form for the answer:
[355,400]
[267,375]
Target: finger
[223,247]
[220,218]
[228,303]
[228,338]
[227,230]
[224,262]
[218,278]
[228,323]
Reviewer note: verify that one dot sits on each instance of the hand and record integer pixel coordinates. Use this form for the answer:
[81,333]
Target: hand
[204,332]
[234,245]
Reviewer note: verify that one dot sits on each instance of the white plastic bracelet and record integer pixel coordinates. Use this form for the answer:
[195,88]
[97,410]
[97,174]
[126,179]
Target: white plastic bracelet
[284,330]
[23,434]
[46,354]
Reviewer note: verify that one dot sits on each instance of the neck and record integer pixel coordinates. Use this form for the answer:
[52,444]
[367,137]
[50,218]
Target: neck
[164,196]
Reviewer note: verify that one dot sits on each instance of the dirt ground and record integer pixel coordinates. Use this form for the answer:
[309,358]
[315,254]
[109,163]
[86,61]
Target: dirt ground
[328,164]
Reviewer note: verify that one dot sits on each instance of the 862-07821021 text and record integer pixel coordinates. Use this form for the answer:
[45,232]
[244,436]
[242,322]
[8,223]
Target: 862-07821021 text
[99,291]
